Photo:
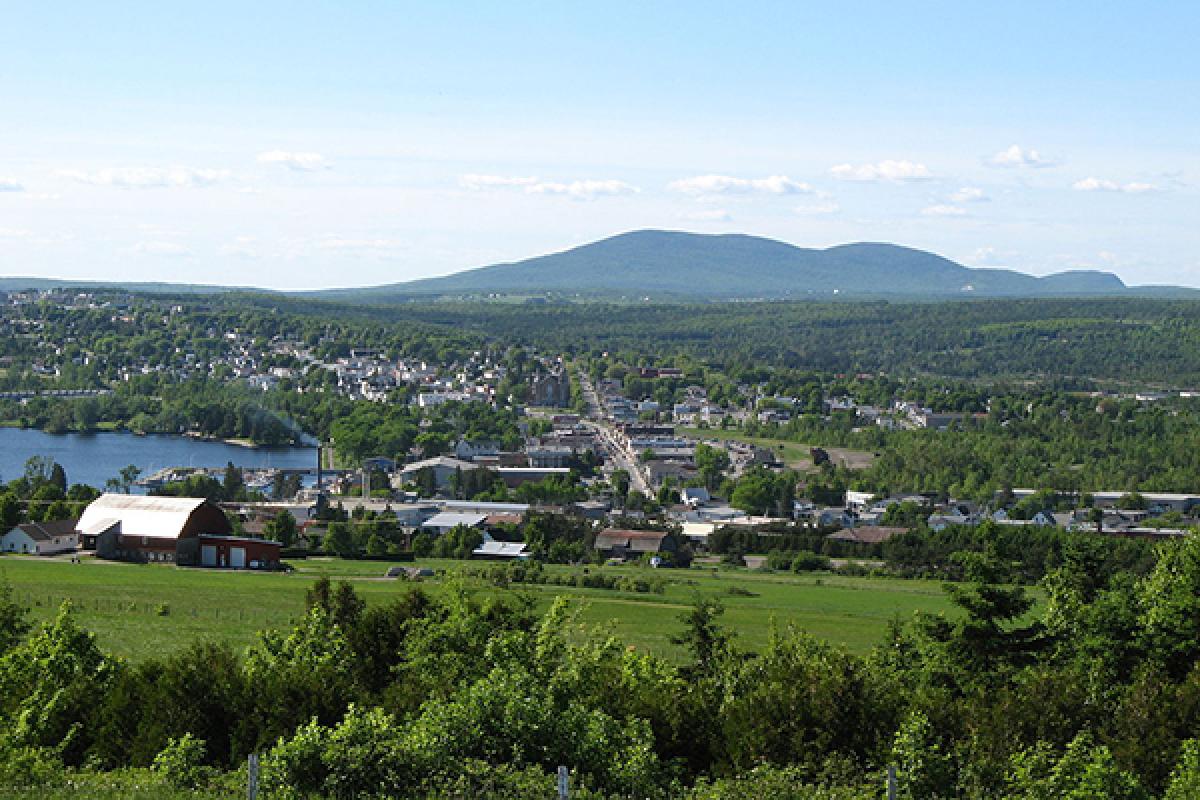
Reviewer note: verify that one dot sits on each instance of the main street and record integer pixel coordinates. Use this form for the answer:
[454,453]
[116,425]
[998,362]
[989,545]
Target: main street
[621,457]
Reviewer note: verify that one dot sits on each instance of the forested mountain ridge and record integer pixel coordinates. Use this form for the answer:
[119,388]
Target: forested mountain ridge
[679,266]
[728,266]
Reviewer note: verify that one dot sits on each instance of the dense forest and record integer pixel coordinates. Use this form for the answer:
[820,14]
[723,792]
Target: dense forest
[1096,338]
[1133,339]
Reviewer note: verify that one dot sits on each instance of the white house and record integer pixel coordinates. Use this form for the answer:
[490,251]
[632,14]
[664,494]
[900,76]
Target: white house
[468,450]
[41,538]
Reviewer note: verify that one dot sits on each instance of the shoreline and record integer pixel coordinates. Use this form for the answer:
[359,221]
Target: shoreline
[191,435]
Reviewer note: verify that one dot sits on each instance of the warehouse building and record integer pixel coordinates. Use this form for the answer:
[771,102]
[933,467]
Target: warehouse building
[188,531]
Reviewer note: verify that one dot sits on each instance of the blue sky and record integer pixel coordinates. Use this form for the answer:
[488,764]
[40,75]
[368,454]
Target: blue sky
[322,144]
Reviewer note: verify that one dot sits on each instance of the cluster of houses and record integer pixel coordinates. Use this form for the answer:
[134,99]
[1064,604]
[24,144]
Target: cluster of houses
[364,374]
[193,532]
[549,454]
[198,533]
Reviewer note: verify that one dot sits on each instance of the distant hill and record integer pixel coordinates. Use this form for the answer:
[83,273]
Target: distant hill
[739,266]
[17,283]
[671,265]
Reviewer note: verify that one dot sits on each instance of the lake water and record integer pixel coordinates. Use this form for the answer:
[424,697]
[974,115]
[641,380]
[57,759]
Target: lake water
[94,458]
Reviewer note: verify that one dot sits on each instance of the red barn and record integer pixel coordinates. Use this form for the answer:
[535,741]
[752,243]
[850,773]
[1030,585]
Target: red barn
[188,531]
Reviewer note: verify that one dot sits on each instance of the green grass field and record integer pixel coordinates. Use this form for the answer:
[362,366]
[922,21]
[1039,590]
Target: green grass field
[123,603]
[793,454]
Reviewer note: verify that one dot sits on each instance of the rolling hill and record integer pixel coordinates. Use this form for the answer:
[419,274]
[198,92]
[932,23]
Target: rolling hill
[732,266]
[673,265]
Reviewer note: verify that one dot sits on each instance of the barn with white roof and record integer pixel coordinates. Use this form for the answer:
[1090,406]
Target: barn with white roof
[189,531]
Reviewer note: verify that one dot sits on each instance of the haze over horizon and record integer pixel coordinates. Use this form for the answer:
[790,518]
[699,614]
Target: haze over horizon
[289,147]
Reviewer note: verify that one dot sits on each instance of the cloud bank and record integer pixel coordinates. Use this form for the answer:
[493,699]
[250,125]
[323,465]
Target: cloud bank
[887,170]
[300,162]
[1015,157]
[1102,185]
[727,184]
[148,177]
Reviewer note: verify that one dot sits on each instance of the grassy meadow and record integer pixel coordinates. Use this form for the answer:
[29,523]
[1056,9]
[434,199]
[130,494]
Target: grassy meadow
[138,610]
[793,454]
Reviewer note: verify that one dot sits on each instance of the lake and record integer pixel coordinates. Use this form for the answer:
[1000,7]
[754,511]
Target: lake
[93,458]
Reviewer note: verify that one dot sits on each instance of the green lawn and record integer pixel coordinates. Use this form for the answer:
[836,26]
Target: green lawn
[793,454]
[121,602]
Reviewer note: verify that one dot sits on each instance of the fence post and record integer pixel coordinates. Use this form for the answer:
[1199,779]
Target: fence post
[252,776]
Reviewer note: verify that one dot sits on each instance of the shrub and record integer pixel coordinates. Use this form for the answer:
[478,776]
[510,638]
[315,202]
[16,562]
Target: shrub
[806,561]
[780,559]
[181,762]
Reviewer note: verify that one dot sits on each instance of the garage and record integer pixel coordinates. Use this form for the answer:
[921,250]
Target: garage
[238,552]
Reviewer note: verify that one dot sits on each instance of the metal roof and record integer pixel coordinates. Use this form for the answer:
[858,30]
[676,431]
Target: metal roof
[449,519]
[140,515]
[505,549]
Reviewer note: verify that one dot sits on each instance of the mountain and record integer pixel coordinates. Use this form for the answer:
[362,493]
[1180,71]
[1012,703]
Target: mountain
[730,266]
[672,265]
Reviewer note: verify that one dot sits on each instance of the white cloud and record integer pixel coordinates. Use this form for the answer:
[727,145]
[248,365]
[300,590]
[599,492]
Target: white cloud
[148,177]
[944,211]
[578,190]
[708,215]
[583,190]
[970,194]
[1016,156]
[480,182]
[379,247]
[303,162]
[1102,185]
[160,248]
[888,170]
[817,209]
[241,247]
[726,184]
[339,243]
[15,233]
[11,185]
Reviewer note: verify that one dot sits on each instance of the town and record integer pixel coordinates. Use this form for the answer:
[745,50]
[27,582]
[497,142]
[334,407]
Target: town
[640,453]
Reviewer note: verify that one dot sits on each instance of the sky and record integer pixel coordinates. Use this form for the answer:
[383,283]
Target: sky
[310,145]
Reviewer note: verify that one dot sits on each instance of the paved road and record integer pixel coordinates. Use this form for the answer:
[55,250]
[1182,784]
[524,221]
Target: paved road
[621,457]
